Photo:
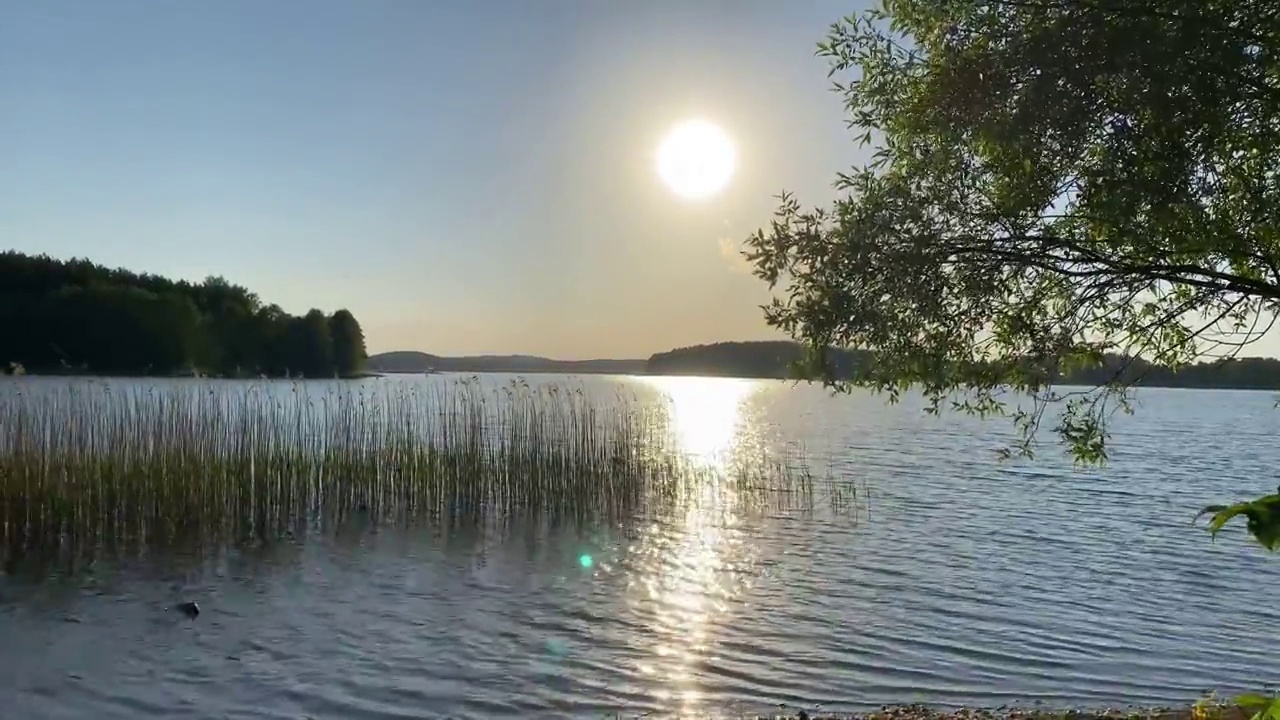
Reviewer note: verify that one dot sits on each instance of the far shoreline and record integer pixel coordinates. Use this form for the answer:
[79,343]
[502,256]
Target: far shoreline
[373,375]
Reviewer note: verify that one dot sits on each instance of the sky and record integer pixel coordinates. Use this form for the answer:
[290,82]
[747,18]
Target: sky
[465,177]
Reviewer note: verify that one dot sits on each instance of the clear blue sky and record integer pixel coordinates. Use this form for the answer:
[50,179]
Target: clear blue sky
[464,176]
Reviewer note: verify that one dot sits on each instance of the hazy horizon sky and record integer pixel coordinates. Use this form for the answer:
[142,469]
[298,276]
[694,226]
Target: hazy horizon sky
[467,178]
[464,177]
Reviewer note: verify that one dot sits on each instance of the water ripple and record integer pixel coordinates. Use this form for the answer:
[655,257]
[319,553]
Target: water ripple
[968,582]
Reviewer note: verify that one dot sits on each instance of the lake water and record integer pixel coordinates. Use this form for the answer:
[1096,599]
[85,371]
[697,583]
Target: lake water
[956,580]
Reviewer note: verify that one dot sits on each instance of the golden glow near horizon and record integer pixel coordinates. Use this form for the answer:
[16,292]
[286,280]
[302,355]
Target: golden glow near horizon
[696,159]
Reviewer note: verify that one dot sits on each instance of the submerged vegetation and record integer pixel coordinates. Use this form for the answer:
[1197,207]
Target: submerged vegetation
[91,465]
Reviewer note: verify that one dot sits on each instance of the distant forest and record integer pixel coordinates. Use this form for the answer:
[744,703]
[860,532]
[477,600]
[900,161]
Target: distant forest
[762,359]
[75,316]
[771,359]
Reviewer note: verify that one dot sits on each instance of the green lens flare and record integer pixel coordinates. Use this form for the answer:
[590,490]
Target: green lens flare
[585,561]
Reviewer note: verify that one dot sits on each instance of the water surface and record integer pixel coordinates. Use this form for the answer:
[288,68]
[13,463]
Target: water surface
[956,580]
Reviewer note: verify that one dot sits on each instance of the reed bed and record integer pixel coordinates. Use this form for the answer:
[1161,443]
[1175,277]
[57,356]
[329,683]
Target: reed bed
[90,465]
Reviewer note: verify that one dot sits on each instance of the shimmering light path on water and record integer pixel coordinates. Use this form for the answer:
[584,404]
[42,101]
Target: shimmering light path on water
[966,582]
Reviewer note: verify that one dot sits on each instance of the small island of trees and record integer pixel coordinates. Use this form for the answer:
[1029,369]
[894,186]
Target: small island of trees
[75,316]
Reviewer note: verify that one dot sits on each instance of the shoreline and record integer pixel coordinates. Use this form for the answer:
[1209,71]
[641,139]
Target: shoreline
[375,374]
[1215,709]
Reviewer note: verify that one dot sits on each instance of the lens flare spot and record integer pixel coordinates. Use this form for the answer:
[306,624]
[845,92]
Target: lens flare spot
[586,561]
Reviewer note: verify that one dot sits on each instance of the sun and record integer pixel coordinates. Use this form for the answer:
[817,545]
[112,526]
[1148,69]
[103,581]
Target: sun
[696,159]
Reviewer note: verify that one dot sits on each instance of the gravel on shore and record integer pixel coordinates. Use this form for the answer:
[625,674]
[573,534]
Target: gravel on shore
[921,712]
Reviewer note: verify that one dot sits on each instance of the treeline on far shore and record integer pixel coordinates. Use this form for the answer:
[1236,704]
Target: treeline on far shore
[776,359]
[74,316]
[1248,373]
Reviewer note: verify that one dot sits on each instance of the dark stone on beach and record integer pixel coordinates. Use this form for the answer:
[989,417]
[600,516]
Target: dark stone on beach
[190,609]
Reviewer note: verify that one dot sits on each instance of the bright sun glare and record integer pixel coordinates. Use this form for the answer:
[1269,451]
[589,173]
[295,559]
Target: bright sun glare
[696,159]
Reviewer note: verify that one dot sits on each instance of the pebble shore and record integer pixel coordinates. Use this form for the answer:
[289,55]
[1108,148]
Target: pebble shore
[921,712]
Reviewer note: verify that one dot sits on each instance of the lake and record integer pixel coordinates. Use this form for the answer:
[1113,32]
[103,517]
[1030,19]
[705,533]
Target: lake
[952,579]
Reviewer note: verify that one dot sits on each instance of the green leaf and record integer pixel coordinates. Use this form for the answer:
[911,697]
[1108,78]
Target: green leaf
[1265,707]
[1254,700]
[1262,519]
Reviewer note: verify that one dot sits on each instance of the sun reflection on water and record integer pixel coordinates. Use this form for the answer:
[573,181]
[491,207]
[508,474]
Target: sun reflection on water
[688,568]
[706,415]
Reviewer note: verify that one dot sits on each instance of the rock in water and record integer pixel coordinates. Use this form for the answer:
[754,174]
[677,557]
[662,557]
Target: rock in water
[190,609]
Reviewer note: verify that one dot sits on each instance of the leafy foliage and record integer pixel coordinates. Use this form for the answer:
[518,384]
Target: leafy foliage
[78,316]
[1262,516]
[1264,707]
[1050,181]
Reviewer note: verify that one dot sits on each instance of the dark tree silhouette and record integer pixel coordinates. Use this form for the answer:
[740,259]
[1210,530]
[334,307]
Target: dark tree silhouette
[761,359]
[309,348]
[348,343]
[76,316]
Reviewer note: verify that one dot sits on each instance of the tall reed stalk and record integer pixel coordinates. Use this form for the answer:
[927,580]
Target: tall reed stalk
[91,465]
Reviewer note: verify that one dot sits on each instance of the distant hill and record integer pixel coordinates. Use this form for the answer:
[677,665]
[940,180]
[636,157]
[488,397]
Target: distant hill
[411,361]
[773,359]
[400,361]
